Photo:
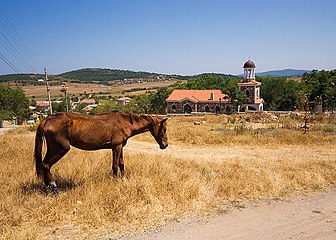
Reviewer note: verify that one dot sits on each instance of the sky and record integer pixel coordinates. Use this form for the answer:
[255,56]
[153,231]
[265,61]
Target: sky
[169,37]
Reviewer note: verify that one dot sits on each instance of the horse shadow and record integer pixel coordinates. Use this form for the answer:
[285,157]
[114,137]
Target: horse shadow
[63,185]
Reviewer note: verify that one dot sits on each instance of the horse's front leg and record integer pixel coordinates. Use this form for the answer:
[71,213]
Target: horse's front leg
[121,163]
[116,152]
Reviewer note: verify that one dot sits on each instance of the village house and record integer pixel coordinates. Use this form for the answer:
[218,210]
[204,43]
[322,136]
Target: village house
[89,107]
[123,101]
[43,105]
[88,101]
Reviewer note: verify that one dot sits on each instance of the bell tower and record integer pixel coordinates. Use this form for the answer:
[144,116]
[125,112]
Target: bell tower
[251,88]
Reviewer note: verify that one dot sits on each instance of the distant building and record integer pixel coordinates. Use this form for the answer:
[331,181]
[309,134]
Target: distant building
[88,108]
[88,101]
[251,87]
[43,105]
[188,101]
[123,100]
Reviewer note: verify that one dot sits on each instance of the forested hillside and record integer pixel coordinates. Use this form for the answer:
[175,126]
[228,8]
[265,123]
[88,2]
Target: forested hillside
[91,74]
[96,74]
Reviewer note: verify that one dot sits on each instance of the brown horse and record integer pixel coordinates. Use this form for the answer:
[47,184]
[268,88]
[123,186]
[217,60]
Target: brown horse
[92,132]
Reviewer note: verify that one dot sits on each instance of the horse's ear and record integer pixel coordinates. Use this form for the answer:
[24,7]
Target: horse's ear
[165,119]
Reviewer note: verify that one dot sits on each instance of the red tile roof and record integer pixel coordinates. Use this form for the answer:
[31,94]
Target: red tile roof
[249,83]
[42,104]
[196,95]
[88,100]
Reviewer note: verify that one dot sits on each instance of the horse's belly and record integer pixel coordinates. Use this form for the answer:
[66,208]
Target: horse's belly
[90,145]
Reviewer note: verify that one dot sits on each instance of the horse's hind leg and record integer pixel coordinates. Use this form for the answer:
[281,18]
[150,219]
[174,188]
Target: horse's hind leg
[55,152]
[116,153]
[121,163]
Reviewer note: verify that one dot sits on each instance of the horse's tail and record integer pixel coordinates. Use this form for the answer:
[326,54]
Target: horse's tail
[38,150]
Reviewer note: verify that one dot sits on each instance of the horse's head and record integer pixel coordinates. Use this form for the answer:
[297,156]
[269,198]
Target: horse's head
[159,131]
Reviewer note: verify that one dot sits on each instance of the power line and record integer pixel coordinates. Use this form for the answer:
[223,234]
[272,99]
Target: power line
[10,47]
[9,63]
[14,44]
[18,39]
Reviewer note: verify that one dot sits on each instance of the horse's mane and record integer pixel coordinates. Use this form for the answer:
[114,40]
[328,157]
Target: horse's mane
[132,117]
[136,118]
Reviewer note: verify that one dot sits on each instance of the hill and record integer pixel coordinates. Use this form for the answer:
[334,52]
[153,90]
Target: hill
[91,74]
[283,73]
[104,75]
[99,74]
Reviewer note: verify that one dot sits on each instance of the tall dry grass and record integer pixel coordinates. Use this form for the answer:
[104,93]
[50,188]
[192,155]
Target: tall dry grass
[157,187]
[251,129]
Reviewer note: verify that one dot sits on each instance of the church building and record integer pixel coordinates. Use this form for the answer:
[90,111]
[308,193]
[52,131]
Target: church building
[216,102]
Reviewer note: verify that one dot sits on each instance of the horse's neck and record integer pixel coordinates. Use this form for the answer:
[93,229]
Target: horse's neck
[141,126]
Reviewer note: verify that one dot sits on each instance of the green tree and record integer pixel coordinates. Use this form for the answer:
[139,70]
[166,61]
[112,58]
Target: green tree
[280,94]
[321,84]
[139,104]
[158,103]
[13,102]
[106,106]
[58,107]
[231,88]
[206,81]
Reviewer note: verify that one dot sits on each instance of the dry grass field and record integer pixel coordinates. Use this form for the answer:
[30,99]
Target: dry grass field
[74,88]
[206,167]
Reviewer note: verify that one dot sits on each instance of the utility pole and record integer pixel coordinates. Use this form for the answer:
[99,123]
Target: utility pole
[48,89]
[64,89]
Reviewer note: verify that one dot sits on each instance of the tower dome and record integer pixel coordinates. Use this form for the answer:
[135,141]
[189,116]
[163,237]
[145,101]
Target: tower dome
[249,71]
[249,64]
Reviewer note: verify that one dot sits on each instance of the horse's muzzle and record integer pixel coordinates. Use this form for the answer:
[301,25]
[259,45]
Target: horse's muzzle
[163,146]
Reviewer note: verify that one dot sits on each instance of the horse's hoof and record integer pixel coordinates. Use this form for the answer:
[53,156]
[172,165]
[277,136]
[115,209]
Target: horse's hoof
[53,188]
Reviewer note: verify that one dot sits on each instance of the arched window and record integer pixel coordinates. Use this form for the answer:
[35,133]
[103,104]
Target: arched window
[187,108]
[174,108]
[207,108]
[217,109]
[247,92]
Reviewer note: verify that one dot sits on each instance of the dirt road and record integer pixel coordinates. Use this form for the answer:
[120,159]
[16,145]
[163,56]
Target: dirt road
[4,129]
[310,216]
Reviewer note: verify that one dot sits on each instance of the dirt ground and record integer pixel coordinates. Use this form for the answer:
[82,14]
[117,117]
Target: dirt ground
[75,88]
[304,216]
[309,216]
[4,129]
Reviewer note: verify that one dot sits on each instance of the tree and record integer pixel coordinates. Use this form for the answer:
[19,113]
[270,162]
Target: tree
[13,103]
[321,84]
[158,101]
[231,88]
[139,104]
[106,106]
[58,107]
[206,81]
[280,94]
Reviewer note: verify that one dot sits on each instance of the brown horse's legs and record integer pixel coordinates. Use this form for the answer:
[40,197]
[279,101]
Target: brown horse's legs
[116,151]
[54,153]
[121,162]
